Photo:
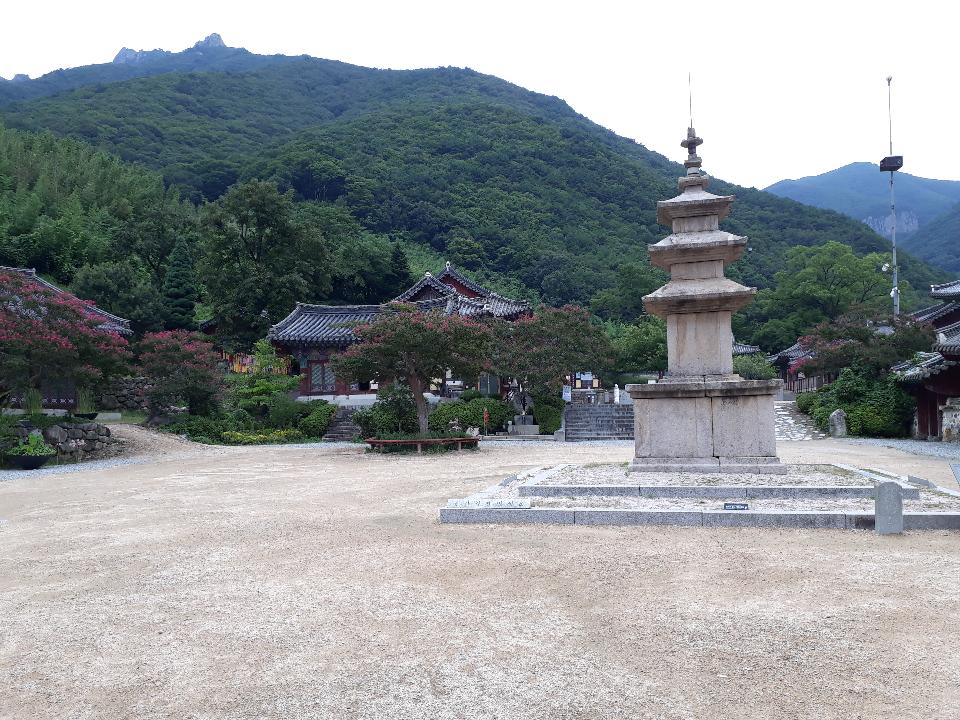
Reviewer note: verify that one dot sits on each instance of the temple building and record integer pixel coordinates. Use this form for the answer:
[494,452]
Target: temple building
[933,378]
[313,334]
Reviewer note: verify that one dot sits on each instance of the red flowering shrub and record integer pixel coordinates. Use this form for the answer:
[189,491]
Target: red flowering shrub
[416,348]
[182,367]
[46,335]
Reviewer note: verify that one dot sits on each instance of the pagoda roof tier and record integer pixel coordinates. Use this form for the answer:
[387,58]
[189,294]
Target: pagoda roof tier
[946,290]
[697,247]
[698,296]
[693,202]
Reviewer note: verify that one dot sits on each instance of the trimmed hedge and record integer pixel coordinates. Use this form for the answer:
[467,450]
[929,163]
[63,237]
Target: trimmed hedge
[274,436]
[470,414]
[316,423]
[548,413]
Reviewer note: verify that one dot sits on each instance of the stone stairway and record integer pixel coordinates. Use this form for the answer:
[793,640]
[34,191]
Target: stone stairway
[598,422]
[342,427]
[615,422]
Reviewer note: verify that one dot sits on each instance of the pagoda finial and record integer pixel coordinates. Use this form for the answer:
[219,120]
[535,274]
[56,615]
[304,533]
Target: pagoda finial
[691,143]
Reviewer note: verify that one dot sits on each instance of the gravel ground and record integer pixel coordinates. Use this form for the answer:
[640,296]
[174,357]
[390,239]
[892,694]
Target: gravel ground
[948,450]
[317,582]
[606,474]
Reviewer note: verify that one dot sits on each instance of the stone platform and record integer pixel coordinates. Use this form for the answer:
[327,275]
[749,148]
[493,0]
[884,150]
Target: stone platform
[804,496]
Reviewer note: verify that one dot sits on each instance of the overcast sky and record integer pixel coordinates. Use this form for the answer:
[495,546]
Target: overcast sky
[780,90]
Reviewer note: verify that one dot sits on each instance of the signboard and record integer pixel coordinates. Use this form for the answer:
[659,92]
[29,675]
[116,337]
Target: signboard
[515,503]
[736,506]
[567,393]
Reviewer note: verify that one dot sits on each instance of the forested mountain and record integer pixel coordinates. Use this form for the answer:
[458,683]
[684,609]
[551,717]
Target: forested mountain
[861,191]
[512,185]
[938,241]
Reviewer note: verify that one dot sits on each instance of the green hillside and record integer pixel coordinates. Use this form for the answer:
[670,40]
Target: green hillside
[512,185]
[938,242]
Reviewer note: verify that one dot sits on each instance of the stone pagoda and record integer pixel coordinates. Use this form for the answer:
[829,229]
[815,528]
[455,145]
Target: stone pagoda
[701,417]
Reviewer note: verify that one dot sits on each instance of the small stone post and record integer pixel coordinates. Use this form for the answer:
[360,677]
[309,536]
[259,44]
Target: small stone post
[838,423]
[888,508]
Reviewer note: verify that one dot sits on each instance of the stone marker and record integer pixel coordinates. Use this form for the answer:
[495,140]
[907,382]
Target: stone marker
[888,509]
[511,503]
[838,423]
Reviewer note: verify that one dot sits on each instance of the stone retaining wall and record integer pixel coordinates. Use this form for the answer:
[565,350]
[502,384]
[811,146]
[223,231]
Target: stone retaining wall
[129,393]
[74,441]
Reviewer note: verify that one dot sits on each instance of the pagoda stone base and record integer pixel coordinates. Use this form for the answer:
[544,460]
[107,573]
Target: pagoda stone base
[705,424]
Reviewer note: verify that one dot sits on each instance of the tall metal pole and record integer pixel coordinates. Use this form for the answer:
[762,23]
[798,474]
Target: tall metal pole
[893,210]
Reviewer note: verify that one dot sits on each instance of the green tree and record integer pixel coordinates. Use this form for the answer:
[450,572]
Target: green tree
[179,289]
[259,261]
[540,350]
[123,289]
[640,347]
[416,348]
[400,275]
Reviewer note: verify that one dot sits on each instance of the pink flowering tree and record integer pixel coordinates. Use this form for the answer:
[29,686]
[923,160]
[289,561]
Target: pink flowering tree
[46,335]
[182,367]
[416,348]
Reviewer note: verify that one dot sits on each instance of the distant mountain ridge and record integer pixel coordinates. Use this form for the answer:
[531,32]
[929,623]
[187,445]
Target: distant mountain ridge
[861,191]
[209,54]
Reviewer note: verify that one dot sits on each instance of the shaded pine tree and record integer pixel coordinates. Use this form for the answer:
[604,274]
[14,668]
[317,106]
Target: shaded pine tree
[179,288]
[400,274]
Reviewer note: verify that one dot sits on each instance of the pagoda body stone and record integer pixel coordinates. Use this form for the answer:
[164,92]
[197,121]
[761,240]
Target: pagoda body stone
[701,417]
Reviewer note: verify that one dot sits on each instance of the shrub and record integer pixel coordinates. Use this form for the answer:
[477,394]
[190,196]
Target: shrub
[32,402]
[471,394]
[753,367]
[316,423]
[806,401]
[34,445]
[285,412]
[254,392]
[548,413]
[200,428]
[393,411]
[436,449]
[874,406]
[470,413]
[273,436]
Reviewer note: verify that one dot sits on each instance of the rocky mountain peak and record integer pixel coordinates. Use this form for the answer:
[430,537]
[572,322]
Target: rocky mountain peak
[127,55]
[213,40]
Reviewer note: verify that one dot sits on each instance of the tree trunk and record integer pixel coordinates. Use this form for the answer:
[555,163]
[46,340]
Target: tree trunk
[416,387]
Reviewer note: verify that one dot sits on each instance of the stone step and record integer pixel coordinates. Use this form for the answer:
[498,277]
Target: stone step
[710,491]
[697,518]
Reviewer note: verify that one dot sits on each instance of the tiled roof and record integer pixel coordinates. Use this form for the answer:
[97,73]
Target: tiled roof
[922,366]
[740,348]
[794,352]
[111,322]
[451,273]
[427,281]
[332,325]
[946,290]
[322,324]
[929,314]
[948,340]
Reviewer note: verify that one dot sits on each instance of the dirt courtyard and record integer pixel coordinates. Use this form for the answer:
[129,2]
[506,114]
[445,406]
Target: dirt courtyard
[292,582]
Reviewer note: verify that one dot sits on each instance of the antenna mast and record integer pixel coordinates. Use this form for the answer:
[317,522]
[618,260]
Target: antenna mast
[891,164]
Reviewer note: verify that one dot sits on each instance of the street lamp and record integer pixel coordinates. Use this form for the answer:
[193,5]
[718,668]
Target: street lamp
[891,164]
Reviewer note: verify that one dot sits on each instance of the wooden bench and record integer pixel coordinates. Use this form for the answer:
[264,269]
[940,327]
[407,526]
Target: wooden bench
[460,442]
